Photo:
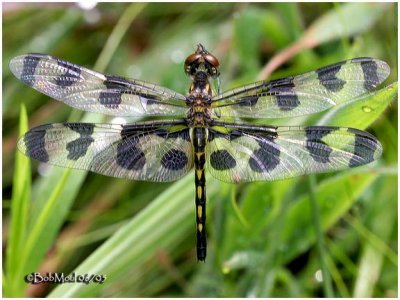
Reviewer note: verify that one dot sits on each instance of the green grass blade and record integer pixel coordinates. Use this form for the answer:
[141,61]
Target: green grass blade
[322,254]
[362,112]
[117,34]
[375,240]
[382,221]
[335,196]
[236,208]
[268,269]
[19,214]
[337,277]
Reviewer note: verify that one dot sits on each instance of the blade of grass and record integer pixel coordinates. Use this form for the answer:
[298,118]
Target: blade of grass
[267,270]
[363,111]
[372,258]
[332,206]
[327,281]
[373,239]
[337,277]
[340,256]
[117,34]
[236,208]
[40,223]
[19,213]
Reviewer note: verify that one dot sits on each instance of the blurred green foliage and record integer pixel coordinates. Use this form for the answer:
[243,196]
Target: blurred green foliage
[141,235]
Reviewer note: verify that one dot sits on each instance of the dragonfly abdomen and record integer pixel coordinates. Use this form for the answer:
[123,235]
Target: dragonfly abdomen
[199,143]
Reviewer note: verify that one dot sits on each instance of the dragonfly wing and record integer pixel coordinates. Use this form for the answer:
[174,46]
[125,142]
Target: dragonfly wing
[250,153]
[91,91]
[141,151]
[303,94]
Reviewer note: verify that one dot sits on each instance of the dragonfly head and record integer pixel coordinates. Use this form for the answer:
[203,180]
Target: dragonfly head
[202,61]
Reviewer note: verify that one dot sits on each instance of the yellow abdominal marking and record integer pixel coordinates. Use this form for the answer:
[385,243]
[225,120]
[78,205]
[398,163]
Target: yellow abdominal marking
[199,211]
[199,155]
[199,173]
[199,192]
[200,227]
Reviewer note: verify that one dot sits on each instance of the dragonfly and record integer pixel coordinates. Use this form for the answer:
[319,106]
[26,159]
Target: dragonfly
[199,132]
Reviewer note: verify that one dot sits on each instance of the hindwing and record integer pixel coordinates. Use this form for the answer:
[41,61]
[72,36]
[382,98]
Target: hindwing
[148,151]
[241,153]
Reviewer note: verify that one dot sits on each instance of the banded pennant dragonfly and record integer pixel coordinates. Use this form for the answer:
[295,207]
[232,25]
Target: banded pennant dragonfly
[200,137]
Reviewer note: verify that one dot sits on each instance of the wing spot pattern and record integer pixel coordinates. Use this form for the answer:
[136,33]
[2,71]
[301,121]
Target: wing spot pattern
[364,149]
[370,74]
[327,77]
[28,69]
[111,98]
[318,149]
[129,156]
[78,148]
[248,101]
[72,74]
[286,95]
[116,87]
[35,143]
[174,160]
[222,160]
[266,158]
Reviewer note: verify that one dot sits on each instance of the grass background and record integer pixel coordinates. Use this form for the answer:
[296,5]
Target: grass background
[272,239]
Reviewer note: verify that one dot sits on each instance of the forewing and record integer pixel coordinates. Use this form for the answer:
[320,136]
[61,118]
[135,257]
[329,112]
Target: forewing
[141,151]
[303,94]
[253,153]
[95,92]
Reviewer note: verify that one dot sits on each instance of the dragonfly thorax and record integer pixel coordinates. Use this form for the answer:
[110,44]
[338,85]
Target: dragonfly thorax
[201,66]
[199,106]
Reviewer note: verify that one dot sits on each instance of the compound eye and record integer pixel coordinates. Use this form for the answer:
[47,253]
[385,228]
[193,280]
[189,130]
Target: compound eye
[212,60]
[192,58]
